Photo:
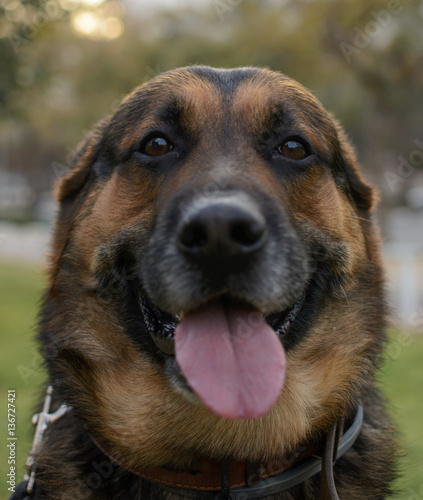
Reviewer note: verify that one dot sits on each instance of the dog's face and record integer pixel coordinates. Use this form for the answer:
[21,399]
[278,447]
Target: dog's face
[212,263]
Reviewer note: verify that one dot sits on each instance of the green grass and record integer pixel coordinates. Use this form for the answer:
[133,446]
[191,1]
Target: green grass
[402,381]
[20,368]
[20,291]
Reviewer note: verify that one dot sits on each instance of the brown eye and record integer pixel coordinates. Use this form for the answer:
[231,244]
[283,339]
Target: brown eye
[293,149]
[156,146]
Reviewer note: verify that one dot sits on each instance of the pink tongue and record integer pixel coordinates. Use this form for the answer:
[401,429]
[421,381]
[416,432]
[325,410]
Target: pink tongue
[231,359]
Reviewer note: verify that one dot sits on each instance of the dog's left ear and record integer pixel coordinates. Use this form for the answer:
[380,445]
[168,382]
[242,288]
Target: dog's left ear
[363,194]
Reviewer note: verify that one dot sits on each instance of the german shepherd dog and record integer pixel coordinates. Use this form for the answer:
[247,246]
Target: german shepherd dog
[215,302]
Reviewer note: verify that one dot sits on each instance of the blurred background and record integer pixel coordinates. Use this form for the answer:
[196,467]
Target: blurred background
[66,63]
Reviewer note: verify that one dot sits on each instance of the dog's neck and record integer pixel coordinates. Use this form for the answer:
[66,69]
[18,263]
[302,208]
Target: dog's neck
[233,479]
[256,480]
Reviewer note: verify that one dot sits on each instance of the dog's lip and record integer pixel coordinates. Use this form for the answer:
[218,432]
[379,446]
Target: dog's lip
[165,344]
[162,326]
[281,321]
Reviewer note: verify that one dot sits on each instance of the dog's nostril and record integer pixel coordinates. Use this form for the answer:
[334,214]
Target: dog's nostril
[193,236]
[246,233]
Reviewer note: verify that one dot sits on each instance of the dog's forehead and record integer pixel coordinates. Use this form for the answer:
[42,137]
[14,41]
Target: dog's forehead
[176,97]
[202,98]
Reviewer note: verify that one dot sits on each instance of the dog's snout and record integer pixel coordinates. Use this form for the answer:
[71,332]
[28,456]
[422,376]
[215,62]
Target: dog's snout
[222,229]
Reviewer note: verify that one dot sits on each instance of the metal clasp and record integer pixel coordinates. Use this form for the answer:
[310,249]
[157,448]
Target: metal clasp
[42,420]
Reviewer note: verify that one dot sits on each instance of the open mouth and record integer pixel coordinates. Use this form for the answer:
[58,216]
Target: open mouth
[162,325]
[230,354]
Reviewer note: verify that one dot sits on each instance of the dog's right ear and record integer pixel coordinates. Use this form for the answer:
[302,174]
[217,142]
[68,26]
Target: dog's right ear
[69,191]
[85,156]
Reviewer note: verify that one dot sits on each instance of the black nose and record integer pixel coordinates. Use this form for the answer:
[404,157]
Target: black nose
[222,229]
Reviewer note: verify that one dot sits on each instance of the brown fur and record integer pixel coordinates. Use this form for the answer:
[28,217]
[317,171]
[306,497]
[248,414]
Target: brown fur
[119,391]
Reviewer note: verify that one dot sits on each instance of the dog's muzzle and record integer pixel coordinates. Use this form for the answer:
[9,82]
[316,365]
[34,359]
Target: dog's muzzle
[226,281]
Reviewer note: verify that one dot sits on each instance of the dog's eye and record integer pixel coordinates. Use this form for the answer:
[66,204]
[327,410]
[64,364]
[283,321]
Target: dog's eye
[156,146]
[293,149]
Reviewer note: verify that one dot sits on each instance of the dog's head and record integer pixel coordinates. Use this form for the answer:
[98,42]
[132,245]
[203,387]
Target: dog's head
[213,251]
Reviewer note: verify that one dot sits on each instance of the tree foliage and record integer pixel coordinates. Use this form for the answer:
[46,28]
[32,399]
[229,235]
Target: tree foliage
[363,61]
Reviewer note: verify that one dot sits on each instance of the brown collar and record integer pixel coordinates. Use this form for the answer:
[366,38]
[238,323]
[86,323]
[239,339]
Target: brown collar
[245,480]
[206,475]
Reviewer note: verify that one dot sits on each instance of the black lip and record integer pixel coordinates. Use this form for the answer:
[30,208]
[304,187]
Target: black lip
[282,320]
[162,325]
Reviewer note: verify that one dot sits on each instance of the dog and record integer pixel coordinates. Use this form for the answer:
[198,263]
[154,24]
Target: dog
[215,312]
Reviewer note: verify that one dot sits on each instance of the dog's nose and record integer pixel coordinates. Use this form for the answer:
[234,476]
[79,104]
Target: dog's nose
[222,229]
